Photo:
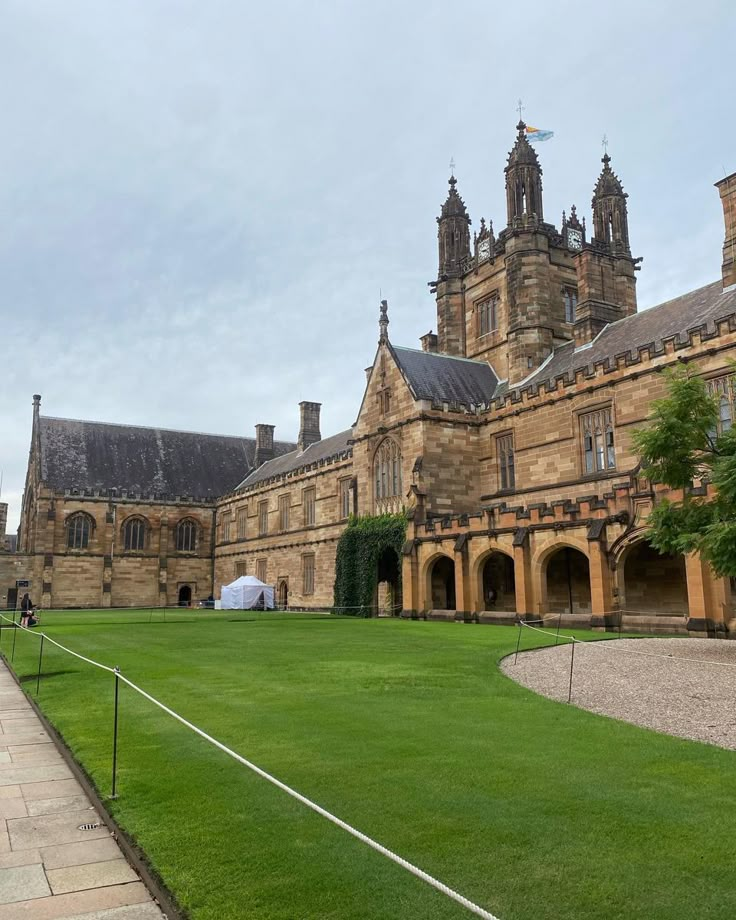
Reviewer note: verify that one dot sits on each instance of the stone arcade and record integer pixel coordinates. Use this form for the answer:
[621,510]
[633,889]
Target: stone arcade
[507,437]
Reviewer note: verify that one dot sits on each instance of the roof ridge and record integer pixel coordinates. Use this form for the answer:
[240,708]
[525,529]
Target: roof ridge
[438,354]
[204,434]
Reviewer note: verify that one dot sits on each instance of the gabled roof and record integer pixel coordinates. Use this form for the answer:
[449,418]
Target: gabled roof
[98,456]
[444,378]
[332,448]
[695,310]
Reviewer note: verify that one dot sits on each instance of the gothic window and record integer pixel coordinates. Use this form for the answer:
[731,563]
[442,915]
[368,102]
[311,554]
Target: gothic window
[387,477]
[186,536]
[262,570]
[722,389]
[226,527]
[488,315]
[284,502]
[571,302]
[596,430]
[134,534]
[505,453]
[308,574]
[242,522]
[78,528]
[262,519]
[309,500]
[345,494]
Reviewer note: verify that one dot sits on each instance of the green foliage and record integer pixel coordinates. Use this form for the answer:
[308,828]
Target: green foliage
[358,553]
[680,446]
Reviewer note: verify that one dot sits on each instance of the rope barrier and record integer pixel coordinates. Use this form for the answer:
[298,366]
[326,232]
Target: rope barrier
[609,645]
[354,832]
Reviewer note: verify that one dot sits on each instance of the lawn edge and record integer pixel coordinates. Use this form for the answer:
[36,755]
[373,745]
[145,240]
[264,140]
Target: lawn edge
[135,856]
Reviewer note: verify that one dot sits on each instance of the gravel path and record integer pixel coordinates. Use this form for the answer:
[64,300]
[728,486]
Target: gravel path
[645,681]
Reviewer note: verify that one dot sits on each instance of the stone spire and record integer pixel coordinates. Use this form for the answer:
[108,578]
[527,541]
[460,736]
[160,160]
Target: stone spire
[523,180]
[383,323]
[610,217]
[453,233]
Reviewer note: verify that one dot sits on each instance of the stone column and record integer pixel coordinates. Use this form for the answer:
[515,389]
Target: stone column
[411,605]
[601,587]
[704,616]
[463,599]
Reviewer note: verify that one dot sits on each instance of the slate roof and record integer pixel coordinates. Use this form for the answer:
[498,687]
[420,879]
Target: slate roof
[443,378]
[695,310]
[327,449]
[98,456]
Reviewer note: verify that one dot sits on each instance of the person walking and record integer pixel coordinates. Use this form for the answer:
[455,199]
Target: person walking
[26,609]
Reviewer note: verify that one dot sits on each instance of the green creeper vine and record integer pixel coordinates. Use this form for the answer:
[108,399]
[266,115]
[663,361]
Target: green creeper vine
[358,553]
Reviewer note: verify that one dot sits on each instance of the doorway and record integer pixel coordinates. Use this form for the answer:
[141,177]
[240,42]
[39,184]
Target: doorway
[185,596]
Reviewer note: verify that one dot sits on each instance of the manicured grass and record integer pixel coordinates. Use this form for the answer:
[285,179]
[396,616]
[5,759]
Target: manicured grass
[407,730]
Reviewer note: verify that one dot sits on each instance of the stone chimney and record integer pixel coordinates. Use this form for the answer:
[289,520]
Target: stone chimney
[429,342]
[727,190]
[264,443]
[308,424]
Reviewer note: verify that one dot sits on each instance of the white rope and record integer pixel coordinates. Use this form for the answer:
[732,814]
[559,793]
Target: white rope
[611,645]
[379,848]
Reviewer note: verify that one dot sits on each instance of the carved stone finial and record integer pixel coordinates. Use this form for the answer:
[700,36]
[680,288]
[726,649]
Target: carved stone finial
[383,322]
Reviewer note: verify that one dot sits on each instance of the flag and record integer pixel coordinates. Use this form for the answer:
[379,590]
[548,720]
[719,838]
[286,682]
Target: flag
[537,134]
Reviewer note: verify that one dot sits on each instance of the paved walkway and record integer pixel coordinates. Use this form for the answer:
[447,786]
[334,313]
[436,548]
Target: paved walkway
[49,868]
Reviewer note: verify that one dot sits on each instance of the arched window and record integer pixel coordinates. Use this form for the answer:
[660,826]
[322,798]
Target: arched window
[134,534]
[186,537]
[387,477]
[78,528]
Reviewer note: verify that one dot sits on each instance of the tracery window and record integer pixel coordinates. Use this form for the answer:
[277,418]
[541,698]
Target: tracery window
[387,477]
[309,500]
[186,536]
[78,528]
[596,430]
[722,388]
[505,453]
[134,534]
[488,315]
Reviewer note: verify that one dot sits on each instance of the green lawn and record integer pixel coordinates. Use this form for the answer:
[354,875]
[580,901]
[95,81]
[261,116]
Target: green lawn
[407,730]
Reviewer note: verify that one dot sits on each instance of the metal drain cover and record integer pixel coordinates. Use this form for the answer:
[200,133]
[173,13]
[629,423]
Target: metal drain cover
[89,827]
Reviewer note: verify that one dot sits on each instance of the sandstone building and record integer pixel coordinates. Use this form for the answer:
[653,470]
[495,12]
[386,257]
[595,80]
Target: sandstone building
[507,437]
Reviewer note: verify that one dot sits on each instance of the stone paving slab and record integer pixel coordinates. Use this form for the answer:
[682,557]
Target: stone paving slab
[22,883]
[102,849]
[51,806]
[93,875]
[76,903]
[57,788]
[49,868]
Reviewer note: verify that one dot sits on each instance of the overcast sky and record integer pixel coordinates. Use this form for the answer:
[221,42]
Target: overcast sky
[200,202]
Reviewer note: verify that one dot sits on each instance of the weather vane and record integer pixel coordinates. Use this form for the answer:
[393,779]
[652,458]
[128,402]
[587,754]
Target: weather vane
[452,166]
[520,110]
[604,143]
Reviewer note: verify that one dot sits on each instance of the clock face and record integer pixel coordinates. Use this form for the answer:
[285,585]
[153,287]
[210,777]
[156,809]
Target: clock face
[484,250]
[574,239]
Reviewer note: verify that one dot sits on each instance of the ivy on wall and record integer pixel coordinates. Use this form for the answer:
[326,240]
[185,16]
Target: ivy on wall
[358,554]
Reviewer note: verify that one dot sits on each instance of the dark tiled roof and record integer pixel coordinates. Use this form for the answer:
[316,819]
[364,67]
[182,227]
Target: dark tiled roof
[442,378]
[326,449]
[699,308]
[144,461]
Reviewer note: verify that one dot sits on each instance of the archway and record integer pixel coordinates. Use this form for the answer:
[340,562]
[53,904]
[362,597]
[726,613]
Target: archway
[185,596]
[442,584]
[653,584]
[568,582]
[388,583]
[283,594]
[497,583]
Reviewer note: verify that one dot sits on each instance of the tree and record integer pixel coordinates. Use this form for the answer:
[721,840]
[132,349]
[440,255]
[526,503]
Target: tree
[683,446]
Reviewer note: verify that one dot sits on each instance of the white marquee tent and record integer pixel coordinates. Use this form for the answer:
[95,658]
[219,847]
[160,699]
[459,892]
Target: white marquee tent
[245,593]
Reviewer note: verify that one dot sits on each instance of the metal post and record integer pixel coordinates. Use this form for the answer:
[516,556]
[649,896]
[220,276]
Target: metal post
[115,737]
[518,643]
[569,578]
[40,659]
[572,665]
[559,621]
[15,633]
